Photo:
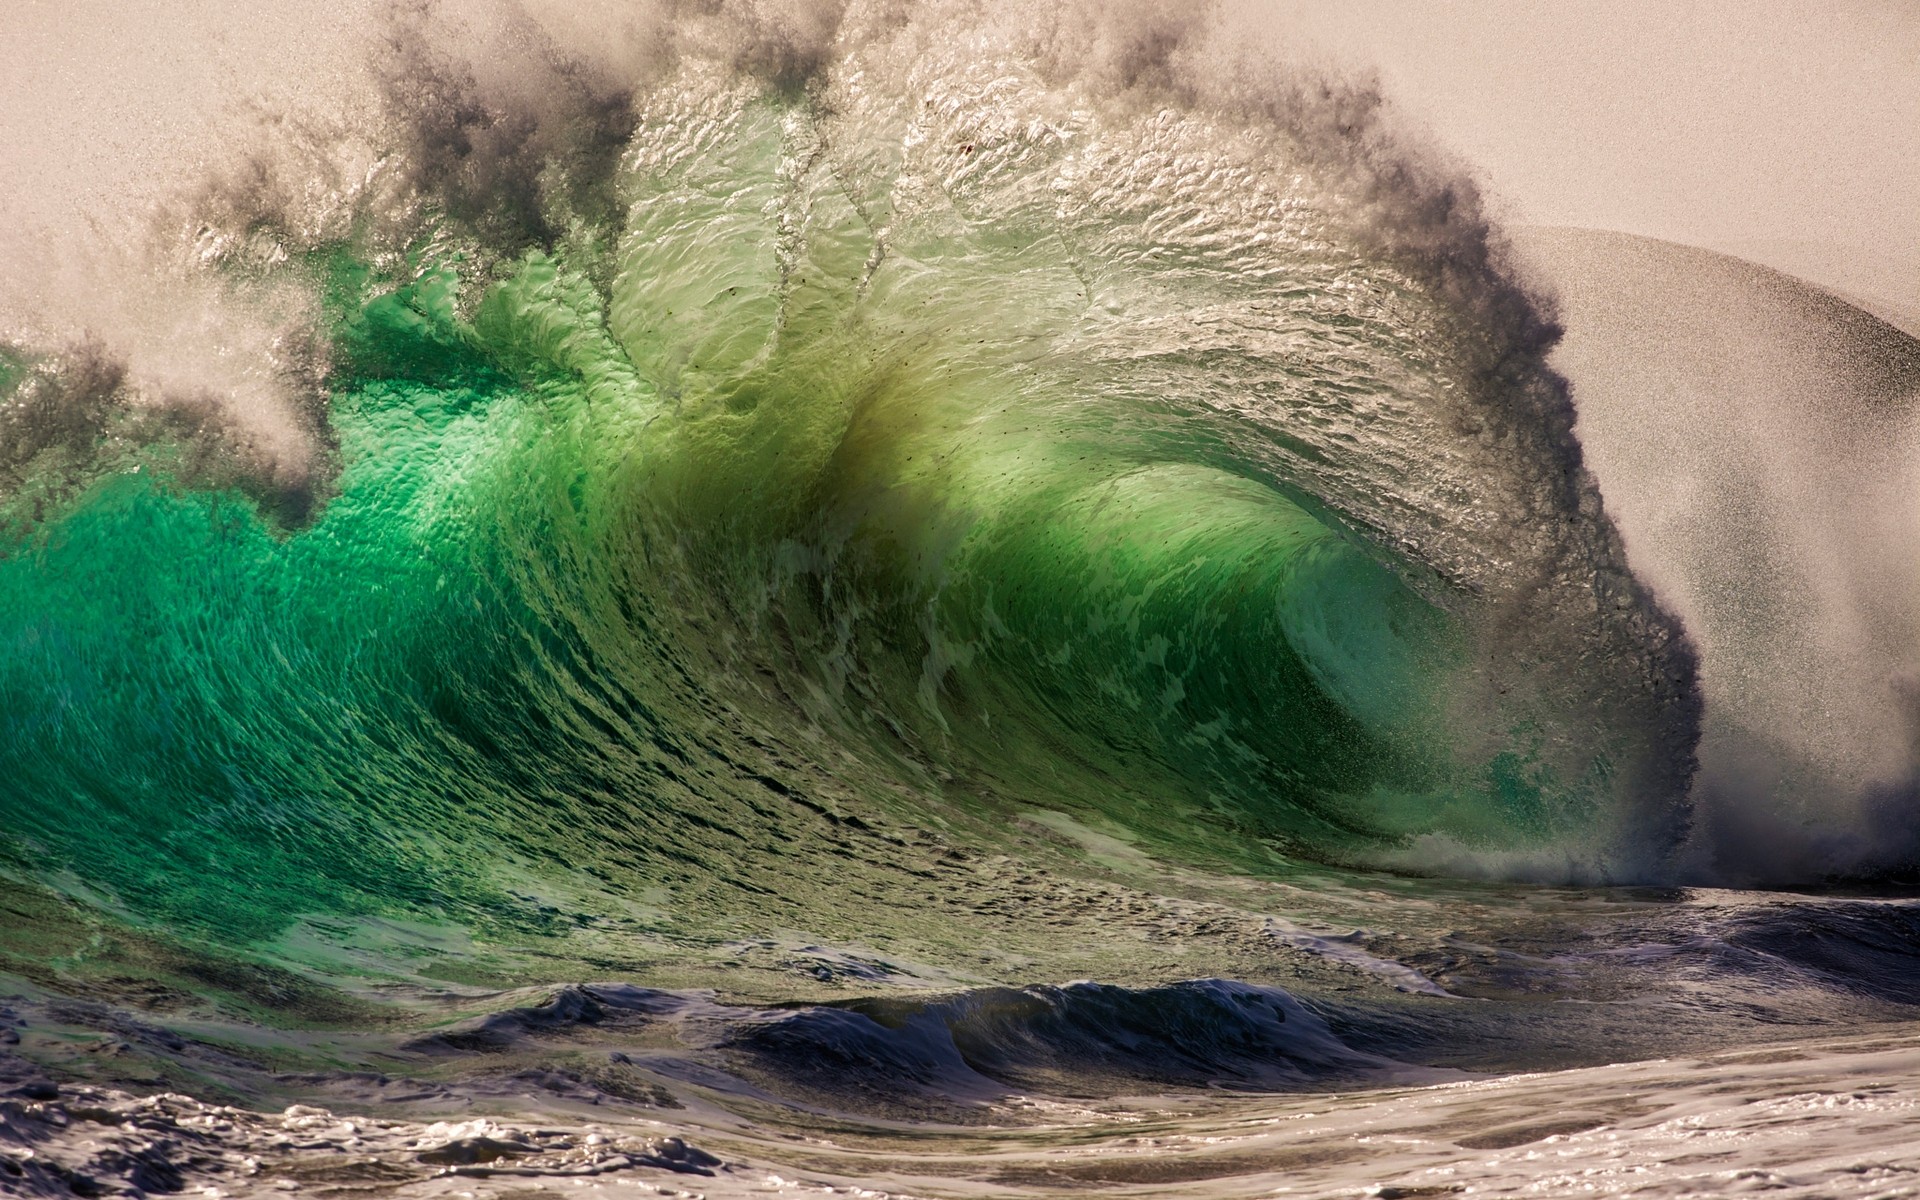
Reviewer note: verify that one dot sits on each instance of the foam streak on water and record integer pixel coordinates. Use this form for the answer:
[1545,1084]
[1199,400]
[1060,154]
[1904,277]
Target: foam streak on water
[1801,1119]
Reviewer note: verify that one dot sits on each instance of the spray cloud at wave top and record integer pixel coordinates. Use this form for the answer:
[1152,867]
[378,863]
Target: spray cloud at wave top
[970,399]
[785,502]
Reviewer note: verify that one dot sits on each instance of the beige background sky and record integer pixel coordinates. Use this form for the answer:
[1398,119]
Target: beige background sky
[1788,130]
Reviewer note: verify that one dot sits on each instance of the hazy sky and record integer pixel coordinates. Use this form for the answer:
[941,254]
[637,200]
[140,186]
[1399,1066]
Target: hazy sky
[1743,124]
[1786,129]
[101,95]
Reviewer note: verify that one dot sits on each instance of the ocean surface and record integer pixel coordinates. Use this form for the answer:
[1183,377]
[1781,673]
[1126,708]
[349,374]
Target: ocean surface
[923,601]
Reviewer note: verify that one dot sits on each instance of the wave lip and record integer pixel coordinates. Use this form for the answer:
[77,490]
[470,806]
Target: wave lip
[980,1047]
[1074,1040]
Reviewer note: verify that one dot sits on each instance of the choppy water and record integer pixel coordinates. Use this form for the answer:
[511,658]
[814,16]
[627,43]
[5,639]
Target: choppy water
[959,583]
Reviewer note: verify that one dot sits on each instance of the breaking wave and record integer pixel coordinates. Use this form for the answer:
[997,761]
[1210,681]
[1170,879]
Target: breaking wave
[641,478]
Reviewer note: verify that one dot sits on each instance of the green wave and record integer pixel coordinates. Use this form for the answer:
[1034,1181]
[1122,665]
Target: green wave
[873,466]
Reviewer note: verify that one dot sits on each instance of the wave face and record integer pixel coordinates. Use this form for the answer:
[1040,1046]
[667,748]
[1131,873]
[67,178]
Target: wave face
[855,420]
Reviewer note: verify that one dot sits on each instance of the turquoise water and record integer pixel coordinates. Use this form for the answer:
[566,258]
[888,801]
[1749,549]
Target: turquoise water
[923,594]
[719,506]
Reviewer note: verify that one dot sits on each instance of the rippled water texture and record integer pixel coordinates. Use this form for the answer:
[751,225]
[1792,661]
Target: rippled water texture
[992,579]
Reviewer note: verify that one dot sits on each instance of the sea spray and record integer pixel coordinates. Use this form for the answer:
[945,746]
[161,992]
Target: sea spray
[1031,424]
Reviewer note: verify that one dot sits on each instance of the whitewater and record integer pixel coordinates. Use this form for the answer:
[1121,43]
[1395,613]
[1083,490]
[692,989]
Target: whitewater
[936,600]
